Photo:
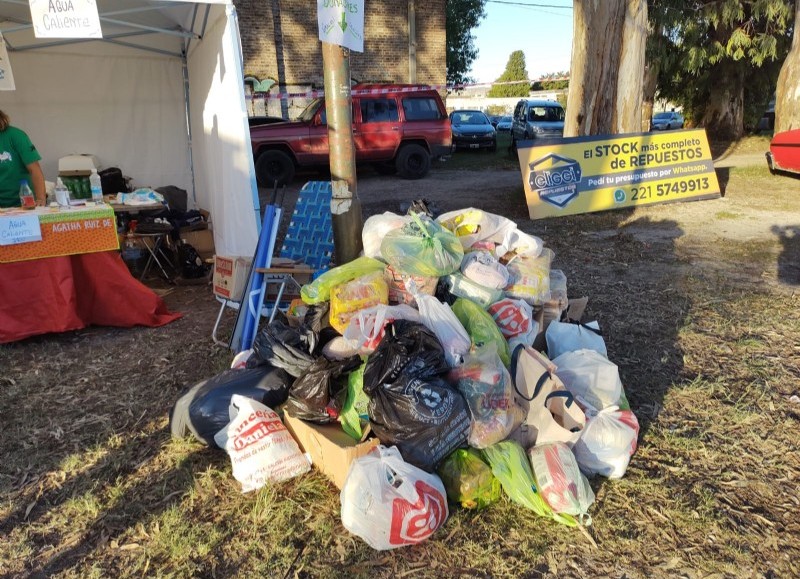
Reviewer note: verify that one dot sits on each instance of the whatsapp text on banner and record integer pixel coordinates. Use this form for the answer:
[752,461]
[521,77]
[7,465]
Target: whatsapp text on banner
[586,174]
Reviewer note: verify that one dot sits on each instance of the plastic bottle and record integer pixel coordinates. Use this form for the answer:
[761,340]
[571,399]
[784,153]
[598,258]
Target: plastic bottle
[26,195]
[96,186]
[62,193]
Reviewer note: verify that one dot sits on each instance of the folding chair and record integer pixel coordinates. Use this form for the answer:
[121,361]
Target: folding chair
[308,241]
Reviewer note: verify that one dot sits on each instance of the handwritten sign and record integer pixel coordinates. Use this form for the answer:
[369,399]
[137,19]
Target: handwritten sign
[65,19]
[6,77]
[341,22]
[16,229]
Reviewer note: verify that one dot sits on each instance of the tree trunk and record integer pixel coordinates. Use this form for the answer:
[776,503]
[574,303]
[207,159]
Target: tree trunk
[650,85]
[605,89]
[724,114]
[787,96]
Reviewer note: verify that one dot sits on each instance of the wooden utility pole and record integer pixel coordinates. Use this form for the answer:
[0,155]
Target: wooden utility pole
[345,205]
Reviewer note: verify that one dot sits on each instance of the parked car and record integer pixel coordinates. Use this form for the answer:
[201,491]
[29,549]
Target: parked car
[504,124]
[536,119]
[472,130]
[396,128]
[784,152]
[256,121]
[666,120]
[494,119]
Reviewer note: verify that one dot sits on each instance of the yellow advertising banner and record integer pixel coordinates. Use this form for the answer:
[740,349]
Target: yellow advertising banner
[587,174]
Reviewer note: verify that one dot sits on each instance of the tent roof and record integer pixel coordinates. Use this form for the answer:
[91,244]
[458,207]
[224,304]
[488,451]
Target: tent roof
[161,26]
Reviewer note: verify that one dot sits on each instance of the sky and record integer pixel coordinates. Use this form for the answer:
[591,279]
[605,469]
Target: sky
[543,33]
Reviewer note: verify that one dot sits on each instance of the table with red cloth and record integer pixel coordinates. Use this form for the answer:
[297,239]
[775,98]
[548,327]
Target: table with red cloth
[73,278]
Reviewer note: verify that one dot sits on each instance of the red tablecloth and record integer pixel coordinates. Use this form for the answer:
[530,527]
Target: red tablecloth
[59,294]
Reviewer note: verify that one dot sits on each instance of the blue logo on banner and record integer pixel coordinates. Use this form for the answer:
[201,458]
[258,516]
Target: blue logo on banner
[555,179]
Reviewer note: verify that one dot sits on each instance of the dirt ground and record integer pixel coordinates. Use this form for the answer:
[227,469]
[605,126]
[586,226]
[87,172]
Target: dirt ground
[699,303]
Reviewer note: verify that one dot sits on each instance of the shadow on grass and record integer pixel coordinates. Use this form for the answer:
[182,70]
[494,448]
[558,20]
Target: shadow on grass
[789,258]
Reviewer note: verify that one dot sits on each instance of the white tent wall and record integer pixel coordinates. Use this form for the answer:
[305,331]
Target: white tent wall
[126,110]
[224,174]
[128,106]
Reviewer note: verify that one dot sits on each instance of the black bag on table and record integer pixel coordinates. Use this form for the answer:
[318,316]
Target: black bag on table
[202,409]
[112,181]
[411,405]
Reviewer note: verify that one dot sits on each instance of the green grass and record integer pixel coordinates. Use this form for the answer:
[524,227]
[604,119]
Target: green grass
[483,160]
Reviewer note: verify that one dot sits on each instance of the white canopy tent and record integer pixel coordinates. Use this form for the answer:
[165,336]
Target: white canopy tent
[161,96]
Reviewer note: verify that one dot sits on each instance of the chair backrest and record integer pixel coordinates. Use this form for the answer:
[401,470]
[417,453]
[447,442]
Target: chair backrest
[310,234]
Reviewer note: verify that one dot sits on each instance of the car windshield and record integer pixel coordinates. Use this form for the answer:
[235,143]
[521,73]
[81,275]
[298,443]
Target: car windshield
[308,113]
[505,120]
[545,113]
[469,118]
[662,116]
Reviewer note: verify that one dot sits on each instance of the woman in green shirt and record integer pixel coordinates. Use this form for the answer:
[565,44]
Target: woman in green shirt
[19,160]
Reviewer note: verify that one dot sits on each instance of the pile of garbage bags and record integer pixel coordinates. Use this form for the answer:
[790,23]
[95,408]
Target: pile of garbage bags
[454,343]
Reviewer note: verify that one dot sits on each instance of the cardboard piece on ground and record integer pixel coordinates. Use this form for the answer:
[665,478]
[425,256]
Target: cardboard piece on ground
[230,276]
[331,449]
[574,311]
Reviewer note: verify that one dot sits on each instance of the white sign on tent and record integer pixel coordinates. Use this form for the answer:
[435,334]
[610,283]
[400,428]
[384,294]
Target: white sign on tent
[341,22]
[6,76]
[65,19]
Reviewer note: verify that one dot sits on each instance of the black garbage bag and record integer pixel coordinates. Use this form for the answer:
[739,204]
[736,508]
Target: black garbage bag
[291,348]
[202,409]
[314,395]
[411,405]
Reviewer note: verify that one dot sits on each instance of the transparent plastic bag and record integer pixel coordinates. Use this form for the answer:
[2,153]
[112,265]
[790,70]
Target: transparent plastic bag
[607,442]
[529,278]
[463,287]
[468,480]
[348,298]
[375,229]
[590,376]
[366,327]
[511,467]
[481,327]
[319,290]
[390,503]
[483,268]
[473,225]
[489,392]
[560,482]
[439,318]
[422,247]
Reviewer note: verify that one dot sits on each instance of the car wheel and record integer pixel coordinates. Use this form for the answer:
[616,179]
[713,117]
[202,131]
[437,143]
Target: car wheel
[274,168]
[413,161]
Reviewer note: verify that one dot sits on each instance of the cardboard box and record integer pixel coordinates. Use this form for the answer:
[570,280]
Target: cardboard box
[230,276]
[331,449]
[202,240]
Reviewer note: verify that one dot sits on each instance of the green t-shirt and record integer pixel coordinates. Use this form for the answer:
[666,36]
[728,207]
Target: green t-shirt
[16,153]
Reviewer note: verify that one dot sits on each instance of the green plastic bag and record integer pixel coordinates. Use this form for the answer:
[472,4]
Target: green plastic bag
[422,247]
[511,467]
[481,327]
[354,409]
[468,480]
[319,290]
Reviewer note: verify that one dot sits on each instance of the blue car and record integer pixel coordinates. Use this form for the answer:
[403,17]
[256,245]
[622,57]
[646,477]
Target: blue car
[472,130]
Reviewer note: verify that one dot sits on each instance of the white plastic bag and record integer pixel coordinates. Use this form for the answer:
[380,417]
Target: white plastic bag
[260,447]
[472,225]
[375,229]
[440,319]
[484,269]
[560,481]
[590,376]
[390,503]
[562,338]
[529,278]
[607,442]
[365,329]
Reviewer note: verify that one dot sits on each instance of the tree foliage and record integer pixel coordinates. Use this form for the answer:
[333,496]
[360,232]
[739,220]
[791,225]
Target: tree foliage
[462,17]
[552,81]
[515,71]
[719,59]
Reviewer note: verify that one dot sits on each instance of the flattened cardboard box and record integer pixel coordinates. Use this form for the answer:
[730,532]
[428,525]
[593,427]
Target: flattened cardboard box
[331,449]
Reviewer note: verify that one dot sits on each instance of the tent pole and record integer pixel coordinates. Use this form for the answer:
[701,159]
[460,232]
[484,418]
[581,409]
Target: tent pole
[187,112]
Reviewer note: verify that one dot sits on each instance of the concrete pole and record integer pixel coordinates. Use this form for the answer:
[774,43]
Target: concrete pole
[345,205]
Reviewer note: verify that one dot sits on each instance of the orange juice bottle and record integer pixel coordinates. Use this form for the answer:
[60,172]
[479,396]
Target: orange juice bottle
[26,195]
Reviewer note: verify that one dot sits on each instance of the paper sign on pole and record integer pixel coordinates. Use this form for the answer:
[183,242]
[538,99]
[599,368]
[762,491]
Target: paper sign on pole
[341,22]
[19,229]
[587,174]
[6,76]
[65,19]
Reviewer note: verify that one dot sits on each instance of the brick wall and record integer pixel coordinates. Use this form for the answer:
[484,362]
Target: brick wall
[280,41]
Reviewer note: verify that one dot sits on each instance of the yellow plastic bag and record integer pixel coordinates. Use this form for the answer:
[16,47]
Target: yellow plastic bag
[364,292]
[319,290]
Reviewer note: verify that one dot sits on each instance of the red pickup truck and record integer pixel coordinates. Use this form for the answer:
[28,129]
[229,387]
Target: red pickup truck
[397,128]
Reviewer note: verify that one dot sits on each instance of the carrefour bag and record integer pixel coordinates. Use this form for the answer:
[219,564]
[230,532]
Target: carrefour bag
[560,482]
[260,447]
[423,248]
[468,480]
[390,503]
